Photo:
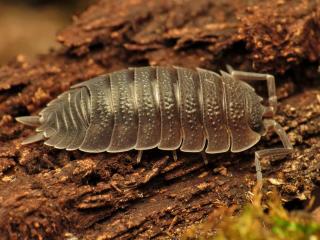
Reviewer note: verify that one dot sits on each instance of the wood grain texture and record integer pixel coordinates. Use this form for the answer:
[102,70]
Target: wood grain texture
[53,194]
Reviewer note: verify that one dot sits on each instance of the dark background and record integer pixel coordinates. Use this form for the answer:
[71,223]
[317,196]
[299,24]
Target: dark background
[29,27]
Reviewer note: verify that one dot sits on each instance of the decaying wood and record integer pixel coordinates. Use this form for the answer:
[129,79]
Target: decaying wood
[52,194]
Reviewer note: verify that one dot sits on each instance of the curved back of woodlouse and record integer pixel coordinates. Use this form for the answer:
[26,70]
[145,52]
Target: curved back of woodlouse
[166,107]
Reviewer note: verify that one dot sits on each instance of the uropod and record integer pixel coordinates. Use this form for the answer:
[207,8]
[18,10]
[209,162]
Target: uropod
[194,110]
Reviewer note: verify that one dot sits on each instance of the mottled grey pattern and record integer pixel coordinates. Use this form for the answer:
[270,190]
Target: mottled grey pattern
[147,107]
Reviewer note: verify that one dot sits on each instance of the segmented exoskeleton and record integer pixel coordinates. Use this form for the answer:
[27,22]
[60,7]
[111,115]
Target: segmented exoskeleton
[165,107]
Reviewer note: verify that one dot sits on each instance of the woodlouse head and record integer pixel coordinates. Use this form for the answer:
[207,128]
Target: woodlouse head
[257,112]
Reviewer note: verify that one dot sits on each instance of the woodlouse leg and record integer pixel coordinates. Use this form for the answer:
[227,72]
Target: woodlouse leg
[249,76]
[175,156]
[275,153]
[139,156]
[204,157]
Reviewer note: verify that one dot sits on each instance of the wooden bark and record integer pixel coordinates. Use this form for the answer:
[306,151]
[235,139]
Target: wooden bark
[47,193]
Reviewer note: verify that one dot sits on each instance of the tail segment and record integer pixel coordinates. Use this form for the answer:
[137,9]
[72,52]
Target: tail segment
[33,121]
[32,139]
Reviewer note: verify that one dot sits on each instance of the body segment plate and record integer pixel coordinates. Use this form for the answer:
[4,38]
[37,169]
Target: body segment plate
[214,119]
[99,132]
[148,111]
[61,124]
[190,111]
[79,126]
[124,135]
[242,136]
[171,136]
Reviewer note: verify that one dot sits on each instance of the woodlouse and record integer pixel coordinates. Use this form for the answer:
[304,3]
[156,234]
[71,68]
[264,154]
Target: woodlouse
[165,107]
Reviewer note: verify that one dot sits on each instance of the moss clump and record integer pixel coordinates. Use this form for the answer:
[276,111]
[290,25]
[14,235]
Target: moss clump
[256,222]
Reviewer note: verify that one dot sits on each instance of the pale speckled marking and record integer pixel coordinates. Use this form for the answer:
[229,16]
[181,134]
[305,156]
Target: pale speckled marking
[98,134]
[254,109]
[218,139]
[241,134]
[171,136]
[125,128]
[190,112]
[167,107]
[148,135]
[216,108]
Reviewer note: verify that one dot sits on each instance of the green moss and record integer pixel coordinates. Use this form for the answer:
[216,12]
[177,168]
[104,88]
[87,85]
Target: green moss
[256,222]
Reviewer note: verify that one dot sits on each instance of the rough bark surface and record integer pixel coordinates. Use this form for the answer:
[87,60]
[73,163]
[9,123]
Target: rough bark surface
[47,193]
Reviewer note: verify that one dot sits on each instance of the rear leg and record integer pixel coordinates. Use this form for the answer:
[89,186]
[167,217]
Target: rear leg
[204,157]
[274,153]
[174,155]
[249,76]
[139,156]
[140,152]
